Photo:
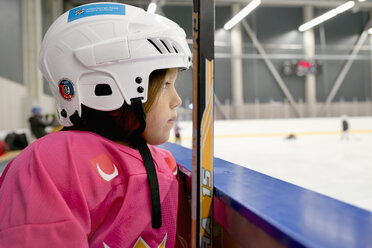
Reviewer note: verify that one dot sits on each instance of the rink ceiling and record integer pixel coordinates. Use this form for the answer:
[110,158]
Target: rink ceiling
[275,24]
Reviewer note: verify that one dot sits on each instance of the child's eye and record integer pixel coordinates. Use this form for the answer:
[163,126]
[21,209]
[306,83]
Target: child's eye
[166,85]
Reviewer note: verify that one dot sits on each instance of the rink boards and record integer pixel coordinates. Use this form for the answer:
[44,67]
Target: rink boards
[251,209]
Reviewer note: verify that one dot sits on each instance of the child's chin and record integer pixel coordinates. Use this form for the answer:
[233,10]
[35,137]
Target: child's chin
[159,141]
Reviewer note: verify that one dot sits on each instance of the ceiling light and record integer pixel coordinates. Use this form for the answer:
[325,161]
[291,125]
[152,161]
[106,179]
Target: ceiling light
[151,8]
[328,15]
[243,13]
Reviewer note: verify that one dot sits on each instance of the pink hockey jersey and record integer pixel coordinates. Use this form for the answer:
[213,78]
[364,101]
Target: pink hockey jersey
[78,189]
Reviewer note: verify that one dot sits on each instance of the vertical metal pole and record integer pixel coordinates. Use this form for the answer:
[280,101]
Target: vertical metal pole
[310,82]
[370,64]
[31,36]
[31,33]
[237,66]
[203,88]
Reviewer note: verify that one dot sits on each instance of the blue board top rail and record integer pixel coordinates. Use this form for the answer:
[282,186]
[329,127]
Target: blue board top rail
[294,216]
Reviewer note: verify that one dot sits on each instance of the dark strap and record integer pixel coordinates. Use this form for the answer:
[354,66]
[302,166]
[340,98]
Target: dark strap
[138,142]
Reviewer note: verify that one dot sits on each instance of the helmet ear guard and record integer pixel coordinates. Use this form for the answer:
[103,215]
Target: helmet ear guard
[100,92]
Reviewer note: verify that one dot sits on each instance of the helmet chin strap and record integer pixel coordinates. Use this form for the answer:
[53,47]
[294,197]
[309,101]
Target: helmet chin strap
[139,143]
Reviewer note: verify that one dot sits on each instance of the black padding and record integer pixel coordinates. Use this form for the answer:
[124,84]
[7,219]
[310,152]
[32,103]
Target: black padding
[103,90]
[138,142]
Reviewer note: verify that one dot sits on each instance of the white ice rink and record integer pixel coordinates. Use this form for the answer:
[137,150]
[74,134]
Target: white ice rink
[317,159]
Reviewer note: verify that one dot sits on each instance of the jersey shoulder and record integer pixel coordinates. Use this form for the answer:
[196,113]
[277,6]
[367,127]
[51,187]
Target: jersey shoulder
[166,156]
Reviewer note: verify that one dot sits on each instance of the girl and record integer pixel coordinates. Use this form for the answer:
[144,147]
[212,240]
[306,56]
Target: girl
[111,68]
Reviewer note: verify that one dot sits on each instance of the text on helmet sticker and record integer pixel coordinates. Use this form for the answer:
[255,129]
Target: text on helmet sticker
[95,9]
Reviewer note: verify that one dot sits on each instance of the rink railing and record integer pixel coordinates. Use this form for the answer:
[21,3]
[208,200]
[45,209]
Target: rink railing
[251,209]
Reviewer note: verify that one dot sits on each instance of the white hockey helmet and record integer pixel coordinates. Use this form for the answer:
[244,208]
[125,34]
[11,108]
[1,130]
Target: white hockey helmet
[102,54]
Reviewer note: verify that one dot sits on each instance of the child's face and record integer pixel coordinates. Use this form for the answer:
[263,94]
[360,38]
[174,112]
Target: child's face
[162,114]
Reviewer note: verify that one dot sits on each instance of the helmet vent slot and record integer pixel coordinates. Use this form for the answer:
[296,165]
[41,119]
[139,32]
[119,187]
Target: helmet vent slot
[103,90]
[157,48]
[165,46]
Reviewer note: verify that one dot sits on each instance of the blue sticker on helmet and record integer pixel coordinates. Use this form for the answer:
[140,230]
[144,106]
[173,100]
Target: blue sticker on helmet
[96,9]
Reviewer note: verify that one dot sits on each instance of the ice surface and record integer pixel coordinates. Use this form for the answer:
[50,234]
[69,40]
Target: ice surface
[318,159]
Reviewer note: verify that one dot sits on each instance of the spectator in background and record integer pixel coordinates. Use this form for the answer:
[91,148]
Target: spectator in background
[38,123]
[4,148]
[56,126]
[345,128]
[177,133]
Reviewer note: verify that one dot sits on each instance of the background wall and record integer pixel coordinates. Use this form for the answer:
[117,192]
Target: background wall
[18,92]
[11,107]
[11,65]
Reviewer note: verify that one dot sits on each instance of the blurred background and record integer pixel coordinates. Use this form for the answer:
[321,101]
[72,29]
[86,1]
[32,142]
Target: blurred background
[264,66]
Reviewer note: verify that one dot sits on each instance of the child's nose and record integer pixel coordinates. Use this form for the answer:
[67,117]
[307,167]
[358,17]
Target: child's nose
[176,101]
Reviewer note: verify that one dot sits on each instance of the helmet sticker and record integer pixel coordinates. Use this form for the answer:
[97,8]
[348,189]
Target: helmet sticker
[66,89]
[95,9]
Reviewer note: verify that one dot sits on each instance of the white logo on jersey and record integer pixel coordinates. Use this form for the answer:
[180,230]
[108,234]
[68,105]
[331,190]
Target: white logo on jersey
[106,176]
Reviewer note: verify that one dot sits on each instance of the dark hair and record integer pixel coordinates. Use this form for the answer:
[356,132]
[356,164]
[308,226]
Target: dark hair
[118,125]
